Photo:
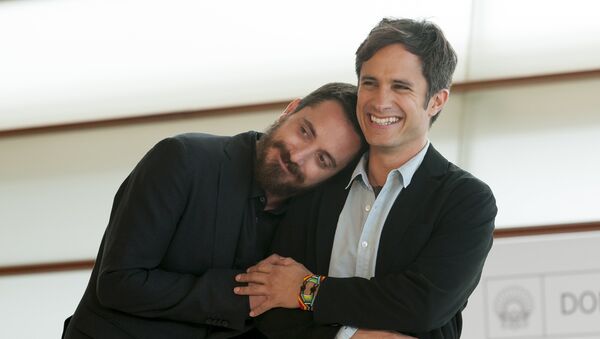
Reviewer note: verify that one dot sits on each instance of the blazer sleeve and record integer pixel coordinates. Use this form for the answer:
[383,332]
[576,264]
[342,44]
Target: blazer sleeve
[435,286]
[144,218]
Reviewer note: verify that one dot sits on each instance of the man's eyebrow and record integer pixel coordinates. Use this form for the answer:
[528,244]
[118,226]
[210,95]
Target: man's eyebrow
[395,81]
[313,132]
[367,77]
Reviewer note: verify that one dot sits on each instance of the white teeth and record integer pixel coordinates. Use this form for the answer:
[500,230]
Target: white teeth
[384,121]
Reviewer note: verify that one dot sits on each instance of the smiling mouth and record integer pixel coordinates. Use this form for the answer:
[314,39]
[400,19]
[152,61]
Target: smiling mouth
[383,121]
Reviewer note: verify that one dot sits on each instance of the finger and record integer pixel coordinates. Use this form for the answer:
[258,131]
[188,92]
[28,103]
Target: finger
[283,261]
[250,290]
[256,300]
[260,309]
[272,259]
[254,277]
[252,268]
[261,267]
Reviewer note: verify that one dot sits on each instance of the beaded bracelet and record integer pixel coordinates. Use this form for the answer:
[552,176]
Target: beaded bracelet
[306,300]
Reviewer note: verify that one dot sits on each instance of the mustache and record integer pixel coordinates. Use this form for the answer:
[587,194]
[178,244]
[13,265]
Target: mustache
[287,161]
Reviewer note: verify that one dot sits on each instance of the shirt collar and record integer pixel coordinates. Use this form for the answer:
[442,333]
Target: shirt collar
[406,171]
[360,171]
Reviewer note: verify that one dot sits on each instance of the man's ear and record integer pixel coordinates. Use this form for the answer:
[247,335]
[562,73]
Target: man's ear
[291,108]
[437,101]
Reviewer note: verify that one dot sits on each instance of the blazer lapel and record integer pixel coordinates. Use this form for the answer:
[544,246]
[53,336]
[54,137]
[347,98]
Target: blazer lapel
[424,183]
[234,187]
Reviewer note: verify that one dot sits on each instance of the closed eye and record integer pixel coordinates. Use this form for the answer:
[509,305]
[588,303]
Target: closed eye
[402,85]
[368,82]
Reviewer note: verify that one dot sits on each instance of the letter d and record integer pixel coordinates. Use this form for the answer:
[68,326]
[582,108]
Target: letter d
[568,303]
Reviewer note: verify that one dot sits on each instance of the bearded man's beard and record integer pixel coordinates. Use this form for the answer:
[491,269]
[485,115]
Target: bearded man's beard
[269,174]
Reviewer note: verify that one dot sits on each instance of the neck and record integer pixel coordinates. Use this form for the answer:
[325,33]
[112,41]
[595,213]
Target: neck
[384,160]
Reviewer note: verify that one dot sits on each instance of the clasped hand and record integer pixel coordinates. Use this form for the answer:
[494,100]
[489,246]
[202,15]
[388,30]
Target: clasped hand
[273,282]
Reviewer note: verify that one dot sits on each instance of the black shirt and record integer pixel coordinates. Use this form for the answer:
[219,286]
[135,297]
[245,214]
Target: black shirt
[258,226]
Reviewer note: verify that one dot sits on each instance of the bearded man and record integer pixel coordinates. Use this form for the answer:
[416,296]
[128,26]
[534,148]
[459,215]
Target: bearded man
[199,209]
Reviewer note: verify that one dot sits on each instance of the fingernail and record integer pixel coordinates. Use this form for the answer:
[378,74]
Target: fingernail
[236,289]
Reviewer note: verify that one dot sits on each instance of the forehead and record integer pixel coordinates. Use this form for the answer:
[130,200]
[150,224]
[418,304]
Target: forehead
[393,61]
[334,132]
[322,115]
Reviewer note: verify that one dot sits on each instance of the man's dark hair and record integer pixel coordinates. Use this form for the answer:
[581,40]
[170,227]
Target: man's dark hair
[421,38]
[344,94]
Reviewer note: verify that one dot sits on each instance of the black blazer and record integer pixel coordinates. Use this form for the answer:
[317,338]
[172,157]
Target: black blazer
[431,254]
[165,265]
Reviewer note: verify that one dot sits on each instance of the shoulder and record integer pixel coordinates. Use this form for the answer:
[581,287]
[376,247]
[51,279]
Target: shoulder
[451,176]
[215,143]
[460,179]
[202,146]
[198,141]
[184,153]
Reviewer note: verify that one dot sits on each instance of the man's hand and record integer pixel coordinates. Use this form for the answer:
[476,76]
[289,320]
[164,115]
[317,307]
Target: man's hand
[276,279]
[372,334]
[256,300]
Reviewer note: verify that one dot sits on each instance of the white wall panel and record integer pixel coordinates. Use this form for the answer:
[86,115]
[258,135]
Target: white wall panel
[446,132]
[529,37]
[537,147]
[35,306]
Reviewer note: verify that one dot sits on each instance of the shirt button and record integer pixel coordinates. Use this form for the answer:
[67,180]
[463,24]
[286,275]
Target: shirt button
[262,199]
[364,244]
[367,208]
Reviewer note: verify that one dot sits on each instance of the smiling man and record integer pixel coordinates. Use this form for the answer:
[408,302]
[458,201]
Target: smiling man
[199,209]
[397,243]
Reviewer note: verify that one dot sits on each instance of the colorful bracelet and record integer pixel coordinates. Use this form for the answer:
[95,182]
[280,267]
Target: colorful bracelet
[306,300]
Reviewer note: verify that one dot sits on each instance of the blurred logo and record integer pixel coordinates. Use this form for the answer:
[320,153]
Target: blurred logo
[513,306]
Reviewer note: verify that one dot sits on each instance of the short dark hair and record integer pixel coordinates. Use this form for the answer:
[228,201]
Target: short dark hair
[421,38]
[343,93]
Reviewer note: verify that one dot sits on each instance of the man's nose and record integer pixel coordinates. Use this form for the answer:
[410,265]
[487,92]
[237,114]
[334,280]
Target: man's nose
[300,155]
[382,99]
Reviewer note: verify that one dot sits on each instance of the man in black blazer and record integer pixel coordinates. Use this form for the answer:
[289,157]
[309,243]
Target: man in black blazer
[199,209]
[394,245]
